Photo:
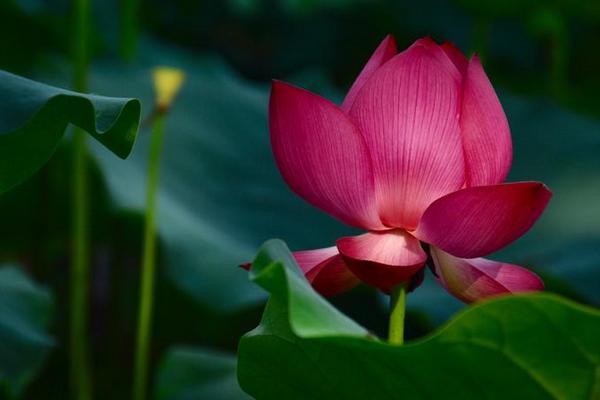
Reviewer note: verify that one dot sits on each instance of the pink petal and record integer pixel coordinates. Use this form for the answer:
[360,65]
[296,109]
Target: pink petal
[476,221]
[385,51]
[456,56]
[308,259]
[442,55]
[478,278]
[324,269]
[408,114]
[485,130]
[383,259]
[321,155]
[332,277]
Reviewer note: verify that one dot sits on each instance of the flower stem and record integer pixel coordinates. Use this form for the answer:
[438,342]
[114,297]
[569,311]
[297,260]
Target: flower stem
[80,378]
[148,263]
[129,28]
[80,374]
[397,311]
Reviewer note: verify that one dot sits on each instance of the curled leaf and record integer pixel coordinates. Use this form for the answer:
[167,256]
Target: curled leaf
[34,116]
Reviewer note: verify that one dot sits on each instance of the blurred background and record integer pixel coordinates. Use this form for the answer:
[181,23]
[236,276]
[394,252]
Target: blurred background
[221,195]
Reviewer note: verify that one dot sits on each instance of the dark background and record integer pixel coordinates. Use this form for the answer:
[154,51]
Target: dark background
[221,195]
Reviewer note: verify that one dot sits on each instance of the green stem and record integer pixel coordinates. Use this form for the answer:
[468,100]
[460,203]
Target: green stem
[140,385]
[397,311]
[80,378]
[80,374]
[129,28]
[82,15]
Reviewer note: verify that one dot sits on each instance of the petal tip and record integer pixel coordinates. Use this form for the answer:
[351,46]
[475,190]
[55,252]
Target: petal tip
[545,188]
[426,40]
[246,266]
[390,41]
[538,189]
[450,45]
[476,279]
[279,85]
[538,285]
[382,54]
[475,62]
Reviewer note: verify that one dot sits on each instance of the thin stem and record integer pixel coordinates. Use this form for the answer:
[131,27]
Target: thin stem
[397,311]
[80,378]
[80,373]
[129,28]
[140,384]
[82,15]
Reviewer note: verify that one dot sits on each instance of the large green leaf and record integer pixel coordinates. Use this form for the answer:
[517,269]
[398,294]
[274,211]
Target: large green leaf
[530,347]
[34,116]
[25,310]
[188,373]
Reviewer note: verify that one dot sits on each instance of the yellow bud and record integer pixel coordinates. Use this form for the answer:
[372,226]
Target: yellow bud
[167,82]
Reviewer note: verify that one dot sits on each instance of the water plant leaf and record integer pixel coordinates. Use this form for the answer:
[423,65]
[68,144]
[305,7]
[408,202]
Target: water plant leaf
[34,116]
[25,310]
[189,373]
[311,315]
[532,346]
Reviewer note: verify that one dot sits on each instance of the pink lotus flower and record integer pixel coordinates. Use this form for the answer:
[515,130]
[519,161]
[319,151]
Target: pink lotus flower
[415,155]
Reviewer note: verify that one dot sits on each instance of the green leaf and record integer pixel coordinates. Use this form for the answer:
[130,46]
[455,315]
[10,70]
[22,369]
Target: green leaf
[537,346]
[188,373]
[25,309]
[34,116]
[310,315]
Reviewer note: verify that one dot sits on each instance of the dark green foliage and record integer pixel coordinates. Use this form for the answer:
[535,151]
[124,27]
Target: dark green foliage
[25,311]
[495,350]
[34,116]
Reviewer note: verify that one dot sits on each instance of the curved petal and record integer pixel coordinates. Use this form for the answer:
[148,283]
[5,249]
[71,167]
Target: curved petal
[332,277]
[408,114]
[476,221]
[326,270]
[383,259]
[456,56]
[383,52]
[321,155]
[478,278]
[485,131]
[444,55]
[308,259]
